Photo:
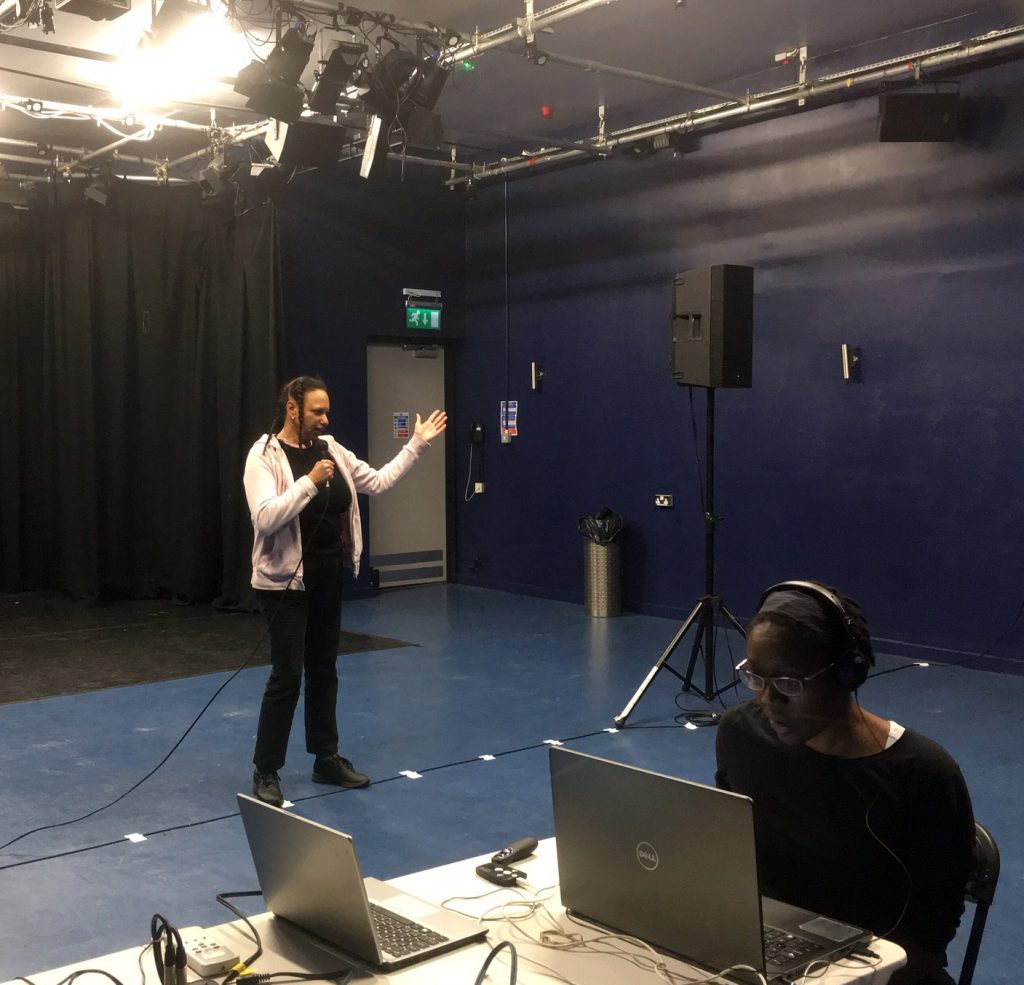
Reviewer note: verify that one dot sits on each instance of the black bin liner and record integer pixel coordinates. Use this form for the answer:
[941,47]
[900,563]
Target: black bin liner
[601,528]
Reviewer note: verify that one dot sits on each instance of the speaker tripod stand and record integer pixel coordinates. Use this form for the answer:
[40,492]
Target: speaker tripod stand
[709,608]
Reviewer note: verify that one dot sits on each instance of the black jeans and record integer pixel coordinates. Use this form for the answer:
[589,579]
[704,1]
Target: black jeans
[304,631]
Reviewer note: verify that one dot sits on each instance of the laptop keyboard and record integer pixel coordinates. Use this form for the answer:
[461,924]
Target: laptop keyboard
[400,936]
[780,947]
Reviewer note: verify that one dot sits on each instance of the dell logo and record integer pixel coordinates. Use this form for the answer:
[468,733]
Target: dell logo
[647,855]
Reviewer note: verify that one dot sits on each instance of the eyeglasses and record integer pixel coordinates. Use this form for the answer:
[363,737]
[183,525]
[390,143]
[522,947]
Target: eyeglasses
[789,686]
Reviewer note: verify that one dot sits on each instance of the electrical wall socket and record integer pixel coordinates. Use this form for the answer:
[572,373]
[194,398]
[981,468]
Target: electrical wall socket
[663,500]
[478,487]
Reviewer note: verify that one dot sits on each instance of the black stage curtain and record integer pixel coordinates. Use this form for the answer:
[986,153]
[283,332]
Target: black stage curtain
[143,342]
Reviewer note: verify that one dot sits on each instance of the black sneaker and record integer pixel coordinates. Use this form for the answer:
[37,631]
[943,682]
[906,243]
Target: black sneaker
[339,772]
[267,787]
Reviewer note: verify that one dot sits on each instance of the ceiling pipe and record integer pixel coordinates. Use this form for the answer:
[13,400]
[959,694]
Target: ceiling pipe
[509,32]
[16,142]
[115,115]
[235,136]
[627,73]
[57,49]
[21,159]
[978,49]
[154,162]
[144,134]
[544,142]
[433,162]
[38,178]
[46,179]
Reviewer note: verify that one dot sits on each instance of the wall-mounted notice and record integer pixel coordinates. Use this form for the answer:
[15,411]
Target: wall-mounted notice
[401,423]
[510,417]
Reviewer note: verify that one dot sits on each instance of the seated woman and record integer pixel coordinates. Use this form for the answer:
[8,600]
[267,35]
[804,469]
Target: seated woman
[856,816]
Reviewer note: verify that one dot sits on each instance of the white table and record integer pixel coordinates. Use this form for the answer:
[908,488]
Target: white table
[286,949]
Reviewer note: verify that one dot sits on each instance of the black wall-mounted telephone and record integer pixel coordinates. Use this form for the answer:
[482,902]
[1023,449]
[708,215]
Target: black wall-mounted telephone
[476,433]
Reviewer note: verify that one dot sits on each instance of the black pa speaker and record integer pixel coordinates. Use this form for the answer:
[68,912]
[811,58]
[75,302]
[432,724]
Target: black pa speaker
[712,325]
[925,113]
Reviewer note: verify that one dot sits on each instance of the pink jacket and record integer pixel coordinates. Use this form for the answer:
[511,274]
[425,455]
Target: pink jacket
[276,500]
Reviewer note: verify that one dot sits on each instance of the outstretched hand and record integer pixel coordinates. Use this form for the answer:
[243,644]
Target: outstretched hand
[432,426]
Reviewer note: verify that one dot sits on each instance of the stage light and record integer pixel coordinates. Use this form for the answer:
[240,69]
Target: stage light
[344,63]
[637,150]
[273,85]
[375,150]
[683,143]
[13,219]
[256,182]
[173,16]
[13,194]
[423,128]
[401,80]
[98,189]
[290,55]
[266,95]
[216,177]
[182,55]
[534,54]
[403,89]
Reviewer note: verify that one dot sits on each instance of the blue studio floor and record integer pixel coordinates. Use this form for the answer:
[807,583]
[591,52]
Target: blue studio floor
[490,674]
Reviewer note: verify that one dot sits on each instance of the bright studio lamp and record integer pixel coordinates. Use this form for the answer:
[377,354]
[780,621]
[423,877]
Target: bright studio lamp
[187,48]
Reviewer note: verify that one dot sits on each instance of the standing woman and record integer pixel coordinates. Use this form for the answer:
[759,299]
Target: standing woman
[301,488]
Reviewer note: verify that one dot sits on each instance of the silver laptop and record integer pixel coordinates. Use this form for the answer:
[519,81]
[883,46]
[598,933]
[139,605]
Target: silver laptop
[673,863]
[309,875]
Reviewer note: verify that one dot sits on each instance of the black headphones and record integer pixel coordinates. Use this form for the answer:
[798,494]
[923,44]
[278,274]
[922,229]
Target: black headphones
[857,657]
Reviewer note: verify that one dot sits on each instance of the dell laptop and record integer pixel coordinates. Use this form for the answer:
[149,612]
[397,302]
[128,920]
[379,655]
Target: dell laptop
[309,875]
[673,863]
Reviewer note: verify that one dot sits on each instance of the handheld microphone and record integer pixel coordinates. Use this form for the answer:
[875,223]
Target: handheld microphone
[324,451]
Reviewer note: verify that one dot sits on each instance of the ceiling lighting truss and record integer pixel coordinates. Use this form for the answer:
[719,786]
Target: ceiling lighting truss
[976,51]
[448,43]
[65,160]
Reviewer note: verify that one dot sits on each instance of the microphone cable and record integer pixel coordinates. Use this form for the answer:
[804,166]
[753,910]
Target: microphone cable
[168,951]
[243,970]
[202,711]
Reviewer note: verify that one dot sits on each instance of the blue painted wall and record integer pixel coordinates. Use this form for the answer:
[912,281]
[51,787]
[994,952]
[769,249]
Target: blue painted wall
[348,248]
[904,490]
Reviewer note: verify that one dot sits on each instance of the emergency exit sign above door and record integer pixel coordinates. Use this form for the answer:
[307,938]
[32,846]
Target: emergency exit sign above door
[428,318]
[422,308]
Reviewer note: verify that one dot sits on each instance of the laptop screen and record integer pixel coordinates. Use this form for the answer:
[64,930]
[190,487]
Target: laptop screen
[659,858]
[309,875]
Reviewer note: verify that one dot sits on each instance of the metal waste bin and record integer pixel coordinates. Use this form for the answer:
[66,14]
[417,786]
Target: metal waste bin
[602,580]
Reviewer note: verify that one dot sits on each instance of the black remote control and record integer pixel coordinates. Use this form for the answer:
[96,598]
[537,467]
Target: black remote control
[499,874]
[517,850]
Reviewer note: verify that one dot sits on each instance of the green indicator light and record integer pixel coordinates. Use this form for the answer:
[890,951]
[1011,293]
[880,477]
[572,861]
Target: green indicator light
[468,66]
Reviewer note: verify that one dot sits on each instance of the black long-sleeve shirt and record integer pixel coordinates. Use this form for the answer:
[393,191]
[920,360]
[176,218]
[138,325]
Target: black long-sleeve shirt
[830,830]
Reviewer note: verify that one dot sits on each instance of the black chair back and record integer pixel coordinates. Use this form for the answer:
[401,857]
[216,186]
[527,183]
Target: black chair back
[980,890]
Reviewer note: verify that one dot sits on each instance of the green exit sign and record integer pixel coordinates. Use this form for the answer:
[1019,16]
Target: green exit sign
[429,318]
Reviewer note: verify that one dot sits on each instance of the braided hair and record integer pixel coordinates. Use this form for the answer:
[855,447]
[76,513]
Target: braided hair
[294,390]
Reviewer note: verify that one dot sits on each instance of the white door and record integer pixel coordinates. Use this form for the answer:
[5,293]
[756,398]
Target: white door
[408,531]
